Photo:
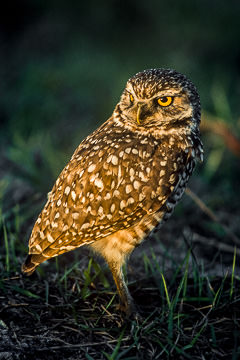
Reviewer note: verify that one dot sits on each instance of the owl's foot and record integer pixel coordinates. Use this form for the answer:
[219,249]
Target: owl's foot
[130,310]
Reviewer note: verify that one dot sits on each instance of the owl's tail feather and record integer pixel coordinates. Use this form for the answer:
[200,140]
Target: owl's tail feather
[31,262]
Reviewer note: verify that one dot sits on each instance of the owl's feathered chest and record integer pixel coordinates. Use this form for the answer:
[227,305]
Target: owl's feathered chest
[134,167]
[127,156]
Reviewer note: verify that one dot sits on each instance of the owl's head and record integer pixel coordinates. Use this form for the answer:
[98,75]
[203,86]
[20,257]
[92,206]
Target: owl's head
[160,98]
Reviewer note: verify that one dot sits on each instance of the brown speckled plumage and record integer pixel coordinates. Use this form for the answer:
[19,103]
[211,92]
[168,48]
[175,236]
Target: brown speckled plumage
[125,178]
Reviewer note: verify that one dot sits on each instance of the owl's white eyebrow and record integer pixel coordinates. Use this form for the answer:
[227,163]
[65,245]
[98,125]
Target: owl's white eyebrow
[129,92]
[130,89]
[167,93]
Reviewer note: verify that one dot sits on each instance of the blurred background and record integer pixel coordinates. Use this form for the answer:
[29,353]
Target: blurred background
[63,65]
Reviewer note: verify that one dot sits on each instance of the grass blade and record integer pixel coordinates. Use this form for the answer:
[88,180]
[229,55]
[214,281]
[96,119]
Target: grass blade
[25,292]
[5,235]
[166,291]
[233,272]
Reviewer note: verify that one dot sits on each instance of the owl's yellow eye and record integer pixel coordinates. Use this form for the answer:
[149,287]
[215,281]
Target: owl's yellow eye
[165,100]
[131,98]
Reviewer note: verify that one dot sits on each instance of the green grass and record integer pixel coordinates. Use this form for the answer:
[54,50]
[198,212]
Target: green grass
[188,313]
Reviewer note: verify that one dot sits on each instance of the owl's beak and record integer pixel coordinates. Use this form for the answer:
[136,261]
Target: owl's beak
[139,111]
[142,111]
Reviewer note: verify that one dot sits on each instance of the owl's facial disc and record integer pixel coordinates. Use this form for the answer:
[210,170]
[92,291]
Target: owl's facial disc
[163,107]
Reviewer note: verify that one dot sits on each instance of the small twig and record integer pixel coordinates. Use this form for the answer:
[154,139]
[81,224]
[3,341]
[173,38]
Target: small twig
[72,329]
[76,346]
[175,344]
[105,310]
[211,214]
[191,249]
[12,278]
[218,321]
[215,243]
[16,305]
[201,204]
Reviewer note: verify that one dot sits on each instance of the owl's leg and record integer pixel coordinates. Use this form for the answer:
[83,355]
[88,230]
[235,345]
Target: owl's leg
[115,250]
[127,303]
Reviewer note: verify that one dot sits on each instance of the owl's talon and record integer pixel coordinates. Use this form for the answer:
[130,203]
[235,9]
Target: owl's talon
[130,311]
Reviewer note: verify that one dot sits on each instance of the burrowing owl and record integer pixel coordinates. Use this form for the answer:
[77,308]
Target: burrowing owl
[124,179]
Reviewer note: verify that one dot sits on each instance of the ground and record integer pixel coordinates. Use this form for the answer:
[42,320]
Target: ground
[186,290]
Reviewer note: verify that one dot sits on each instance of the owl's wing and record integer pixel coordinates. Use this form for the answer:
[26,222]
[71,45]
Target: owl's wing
[104,188]
[95,195]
